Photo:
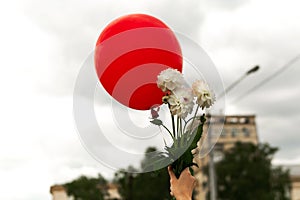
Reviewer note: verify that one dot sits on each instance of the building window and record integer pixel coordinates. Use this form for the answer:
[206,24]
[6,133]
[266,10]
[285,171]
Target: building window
[234,132]
[223,133]
[232,120]
[244,120]
[246,132]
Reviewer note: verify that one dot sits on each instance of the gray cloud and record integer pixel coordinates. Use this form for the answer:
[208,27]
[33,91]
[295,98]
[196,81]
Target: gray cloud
[231,4]
[76,25]
[259,34]
[237,35]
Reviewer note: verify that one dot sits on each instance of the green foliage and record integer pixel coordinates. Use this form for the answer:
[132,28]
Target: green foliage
[137,186]
[186,159]
[246,173]
[182,146]
[85,188]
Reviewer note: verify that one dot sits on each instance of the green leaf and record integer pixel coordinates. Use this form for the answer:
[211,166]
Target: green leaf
[186,159]
[157,122]
[198,133]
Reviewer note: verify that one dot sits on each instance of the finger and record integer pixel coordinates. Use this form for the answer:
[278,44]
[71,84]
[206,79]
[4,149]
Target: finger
[186,171]
[171,173]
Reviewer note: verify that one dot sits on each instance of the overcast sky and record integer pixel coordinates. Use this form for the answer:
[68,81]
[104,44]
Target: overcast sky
[44,43]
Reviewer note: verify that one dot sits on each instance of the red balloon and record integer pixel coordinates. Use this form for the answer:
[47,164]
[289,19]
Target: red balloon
[130,52]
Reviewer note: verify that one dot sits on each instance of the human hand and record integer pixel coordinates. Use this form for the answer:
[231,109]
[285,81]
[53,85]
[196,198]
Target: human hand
[182,188]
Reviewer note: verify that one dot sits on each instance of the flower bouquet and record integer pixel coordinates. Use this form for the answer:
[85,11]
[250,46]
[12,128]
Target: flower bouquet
[185,133]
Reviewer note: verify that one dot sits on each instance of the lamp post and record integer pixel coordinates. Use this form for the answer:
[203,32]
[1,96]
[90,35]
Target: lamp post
[212,175]
[230,87]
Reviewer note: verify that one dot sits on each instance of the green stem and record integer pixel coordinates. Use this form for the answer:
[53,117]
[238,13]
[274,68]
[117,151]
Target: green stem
[195,116]
[186,122]
[178,127]
[173,125]
[169,132]
[182,137]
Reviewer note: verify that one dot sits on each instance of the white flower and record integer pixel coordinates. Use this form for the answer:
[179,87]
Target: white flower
[170,79]
[205,97]
[181,102]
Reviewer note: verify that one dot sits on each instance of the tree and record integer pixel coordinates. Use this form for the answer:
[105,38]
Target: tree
[246,173]
[124,179]
[150,185]
[84,188]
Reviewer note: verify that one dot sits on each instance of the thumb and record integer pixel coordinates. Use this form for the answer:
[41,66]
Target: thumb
[171,173]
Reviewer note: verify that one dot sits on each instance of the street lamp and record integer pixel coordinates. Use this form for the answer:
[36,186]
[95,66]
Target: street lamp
[212,176]
[252,70]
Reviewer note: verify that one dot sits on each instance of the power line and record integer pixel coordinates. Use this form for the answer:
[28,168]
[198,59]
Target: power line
[266,80]
[230,87]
